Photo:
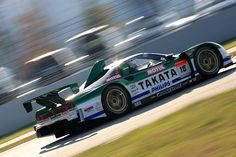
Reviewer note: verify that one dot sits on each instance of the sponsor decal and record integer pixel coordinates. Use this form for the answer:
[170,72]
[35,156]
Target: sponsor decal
[133,86]
[183,68]
[88,109]
[158,94]
[133,89]
[93,108]
[98,106]
[155,69]
[168,90]
[159,80]
[113,78]
[161,86]
[138,103]
[181,63]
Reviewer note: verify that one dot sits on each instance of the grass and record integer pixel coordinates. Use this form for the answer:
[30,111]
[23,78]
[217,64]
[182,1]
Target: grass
[229,44]
[17,143]
[16,134]
[207,128]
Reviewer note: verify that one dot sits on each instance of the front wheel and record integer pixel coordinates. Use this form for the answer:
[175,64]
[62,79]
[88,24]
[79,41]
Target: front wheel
[207,61]
[116,101]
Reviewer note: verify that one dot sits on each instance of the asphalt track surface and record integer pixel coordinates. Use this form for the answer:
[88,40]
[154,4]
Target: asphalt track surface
[106,130]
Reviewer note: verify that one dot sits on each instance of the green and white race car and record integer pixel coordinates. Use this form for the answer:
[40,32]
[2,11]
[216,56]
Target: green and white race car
[114,90]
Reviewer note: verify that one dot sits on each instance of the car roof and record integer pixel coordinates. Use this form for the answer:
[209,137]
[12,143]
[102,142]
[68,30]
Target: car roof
[144,55]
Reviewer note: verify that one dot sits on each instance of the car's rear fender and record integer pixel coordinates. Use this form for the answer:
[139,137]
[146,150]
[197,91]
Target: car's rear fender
[89,105]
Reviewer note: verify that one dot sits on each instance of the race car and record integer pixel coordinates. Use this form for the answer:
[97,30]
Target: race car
[115,89]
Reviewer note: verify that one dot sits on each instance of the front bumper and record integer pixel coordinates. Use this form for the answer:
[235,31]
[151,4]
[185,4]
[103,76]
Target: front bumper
[227,58]
[227,61]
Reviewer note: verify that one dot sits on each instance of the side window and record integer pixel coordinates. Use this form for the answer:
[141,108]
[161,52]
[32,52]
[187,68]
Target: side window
[141,64]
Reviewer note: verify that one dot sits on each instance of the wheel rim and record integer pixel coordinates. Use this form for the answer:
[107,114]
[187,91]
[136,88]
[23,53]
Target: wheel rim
[116,101]
[208,61]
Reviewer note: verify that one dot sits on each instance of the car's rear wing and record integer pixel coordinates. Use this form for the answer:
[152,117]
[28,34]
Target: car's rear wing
[50,99]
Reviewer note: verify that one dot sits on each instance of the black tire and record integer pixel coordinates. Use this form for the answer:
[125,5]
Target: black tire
[59,133]
[59,129]
[73,127]
[207,61]
[116,101]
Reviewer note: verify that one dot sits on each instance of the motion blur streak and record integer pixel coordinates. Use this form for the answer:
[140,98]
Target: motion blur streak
[44,55]
[127,40]
[92,30]
[76,60]
[26,84]
[138,31]
[26,93]
[182,21]
[134,20]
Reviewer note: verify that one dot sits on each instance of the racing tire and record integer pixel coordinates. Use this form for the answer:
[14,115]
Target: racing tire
[42,132]
[207,61]
[73,127]
[59,133]
[116,101]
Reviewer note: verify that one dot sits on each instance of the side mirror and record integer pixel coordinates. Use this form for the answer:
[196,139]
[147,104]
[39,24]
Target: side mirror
[75,88]
[28,106]
[125,71]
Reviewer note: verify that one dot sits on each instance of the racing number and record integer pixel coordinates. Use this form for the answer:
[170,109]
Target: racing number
[183,69]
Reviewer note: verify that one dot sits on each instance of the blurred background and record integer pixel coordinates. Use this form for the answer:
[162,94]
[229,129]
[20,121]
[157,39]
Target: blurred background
[44,41]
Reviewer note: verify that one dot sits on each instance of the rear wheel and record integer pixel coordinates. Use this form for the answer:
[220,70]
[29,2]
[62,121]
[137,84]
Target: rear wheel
[59,133]
[43,132]
[116,101]
[207,61]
